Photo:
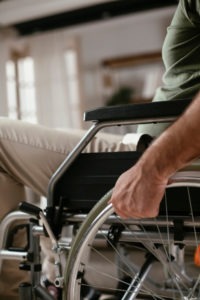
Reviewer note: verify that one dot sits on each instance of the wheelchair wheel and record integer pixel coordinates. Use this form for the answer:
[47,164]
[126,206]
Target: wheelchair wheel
[155,258]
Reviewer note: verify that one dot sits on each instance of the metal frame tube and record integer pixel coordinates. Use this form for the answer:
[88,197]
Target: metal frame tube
[4,229]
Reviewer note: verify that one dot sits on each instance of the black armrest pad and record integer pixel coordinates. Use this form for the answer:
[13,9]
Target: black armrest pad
[160,109]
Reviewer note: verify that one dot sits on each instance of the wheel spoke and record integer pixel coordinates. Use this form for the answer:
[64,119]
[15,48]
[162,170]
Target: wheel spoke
[119,262]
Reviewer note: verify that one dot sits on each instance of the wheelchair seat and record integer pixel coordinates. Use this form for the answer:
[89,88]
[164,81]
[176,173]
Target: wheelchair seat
[89,177]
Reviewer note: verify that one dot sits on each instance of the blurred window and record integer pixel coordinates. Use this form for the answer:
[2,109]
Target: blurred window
[21,89]
[73,83]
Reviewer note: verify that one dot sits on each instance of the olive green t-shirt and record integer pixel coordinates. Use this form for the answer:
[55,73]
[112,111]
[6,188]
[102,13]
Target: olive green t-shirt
[181,58]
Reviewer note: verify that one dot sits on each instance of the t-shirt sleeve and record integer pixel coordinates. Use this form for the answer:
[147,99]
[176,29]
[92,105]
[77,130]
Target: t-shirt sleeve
[181,58]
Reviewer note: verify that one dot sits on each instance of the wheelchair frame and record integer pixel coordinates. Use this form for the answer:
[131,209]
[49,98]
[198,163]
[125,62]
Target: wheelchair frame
[76,212]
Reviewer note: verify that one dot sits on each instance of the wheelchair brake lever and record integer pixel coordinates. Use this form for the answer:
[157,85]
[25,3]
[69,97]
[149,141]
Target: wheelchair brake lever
[48,229]
[36,211]
[59,278]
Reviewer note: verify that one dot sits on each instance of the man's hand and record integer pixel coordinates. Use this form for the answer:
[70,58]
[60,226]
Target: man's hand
[138,192]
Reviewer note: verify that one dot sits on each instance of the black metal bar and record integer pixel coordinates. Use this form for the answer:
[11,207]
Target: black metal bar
[91,13]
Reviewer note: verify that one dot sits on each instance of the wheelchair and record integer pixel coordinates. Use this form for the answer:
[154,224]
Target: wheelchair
[97,252]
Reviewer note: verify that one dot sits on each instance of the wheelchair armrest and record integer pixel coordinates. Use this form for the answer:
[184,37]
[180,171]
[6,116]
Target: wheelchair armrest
[151,110]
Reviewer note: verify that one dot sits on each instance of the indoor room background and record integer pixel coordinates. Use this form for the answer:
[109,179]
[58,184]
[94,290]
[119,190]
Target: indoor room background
[52,77]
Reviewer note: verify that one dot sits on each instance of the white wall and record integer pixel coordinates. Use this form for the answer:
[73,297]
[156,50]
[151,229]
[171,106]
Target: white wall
[140,33]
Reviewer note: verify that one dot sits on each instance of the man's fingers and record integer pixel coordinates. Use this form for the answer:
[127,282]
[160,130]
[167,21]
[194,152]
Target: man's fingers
[125,212]
[118,209]
[121,214]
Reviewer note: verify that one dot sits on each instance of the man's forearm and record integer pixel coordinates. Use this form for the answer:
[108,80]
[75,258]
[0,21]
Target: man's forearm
[178,145]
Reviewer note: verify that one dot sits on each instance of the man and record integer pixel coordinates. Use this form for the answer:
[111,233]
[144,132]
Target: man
[138,191]
[181,142]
